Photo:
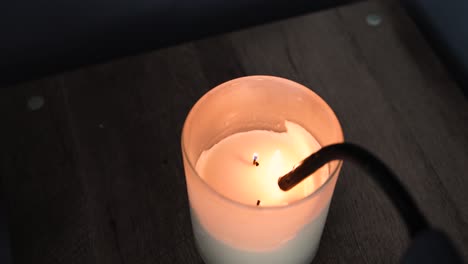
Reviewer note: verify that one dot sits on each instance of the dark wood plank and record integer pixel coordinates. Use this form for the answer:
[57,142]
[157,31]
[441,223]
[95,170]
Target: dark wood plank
[44,193]
[95,176]
[429,107]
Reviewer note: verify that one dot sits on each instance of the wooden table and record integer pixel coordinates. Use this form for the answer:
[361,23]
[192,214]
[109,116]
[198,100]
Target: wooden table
[95,175]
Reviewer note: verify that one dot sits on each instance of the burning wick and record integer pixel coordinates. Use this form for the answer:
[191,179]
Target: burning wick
[255,157]
[258,202]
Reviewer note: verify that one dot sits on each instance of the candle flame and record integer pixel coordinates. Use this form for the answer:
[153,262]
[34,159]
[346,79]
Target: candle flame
[255,156]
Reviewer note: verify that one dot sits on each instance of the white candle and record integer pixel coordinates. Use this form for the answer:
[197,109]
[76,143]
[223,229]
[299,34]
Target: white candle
[226,128]
[228,168]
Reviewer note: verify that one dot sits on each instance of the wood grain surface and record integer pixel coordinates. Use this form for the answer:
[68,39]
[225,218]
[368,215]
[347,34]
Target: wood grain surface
[95,175]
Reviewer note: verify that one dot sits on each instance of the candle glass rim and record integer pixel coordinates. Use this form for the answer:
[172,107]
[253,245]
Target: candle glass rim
[248,206]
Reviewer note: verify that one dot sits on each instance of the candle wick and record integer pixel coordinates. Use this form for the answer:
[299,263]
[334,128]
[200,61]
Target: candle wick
[258,202]
[255,158]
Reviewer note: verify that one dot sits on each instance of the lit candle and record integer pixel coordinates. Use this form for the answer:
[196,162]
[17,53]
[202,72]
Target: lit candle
[237,141]
[227,166]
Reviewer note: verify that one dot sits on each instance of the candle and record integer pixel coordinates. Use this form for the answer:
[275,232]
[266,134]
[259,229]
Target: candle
[238,139]
[228,168]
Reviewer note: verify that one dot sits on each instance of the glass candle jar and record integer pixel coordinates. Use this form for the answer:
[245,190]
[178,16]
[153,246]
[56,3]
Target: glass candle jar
[237,140]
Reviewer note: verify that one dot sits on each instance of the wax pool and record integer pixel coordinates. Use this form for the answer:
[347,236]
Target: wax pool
[228,168]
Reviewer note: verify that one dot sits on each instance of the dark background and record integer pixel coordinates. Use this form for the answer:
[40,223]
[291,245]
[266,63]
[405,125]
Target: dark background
[95,175]
[46,36]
